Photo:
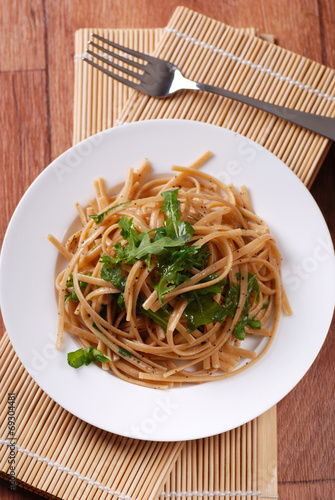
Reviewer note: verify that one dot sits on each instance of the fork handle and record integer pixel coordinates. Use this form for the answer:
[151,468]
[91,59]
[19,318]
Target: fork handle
[322,125]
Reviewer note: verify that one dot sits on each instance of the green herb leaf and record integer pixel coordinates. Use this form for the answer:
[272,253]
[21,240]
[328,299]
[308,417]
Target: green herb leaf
[99,217]
[202,310]
[239,330]
[148,247]
[160,317]
[106,258]
[254,323]
[120,302]
[74,296]
[129,233]
[112,272]
[140,245]
[175,227]
[95,326]
[173,269]
[124,353]
[121,252]
[253,285]
[212,289]
[231,299]
[174,234]
[69,284]
[86,356]
[200,258]
[266,303]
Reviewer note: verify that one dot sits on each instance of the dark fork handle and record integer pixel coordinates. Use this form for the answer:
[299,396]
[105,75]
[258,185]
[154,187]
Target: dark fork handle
[322,125]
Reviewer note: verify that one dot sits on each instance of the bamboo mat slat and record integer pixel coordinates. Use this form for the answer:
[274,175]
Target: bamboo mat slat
[58,455]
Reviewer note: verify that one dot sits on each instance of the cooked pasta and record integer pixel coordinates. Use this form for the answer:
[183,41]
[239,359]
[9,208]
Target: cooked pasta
[169,278]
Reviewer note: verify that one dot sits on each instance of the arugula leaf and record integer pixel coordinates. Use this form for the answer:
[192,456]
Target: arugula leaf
[254,323]
[253,285]
[175,227]
[95,326]
[160,232]
[99,217]
[86,356]
[231,299]
[105,258]
[121,252]
[124,353]
[161,317]
[212,289]
[175,233]
[112,272]
[173,269]
[69,284]
[129,233]
[140,245]
[120,302]
[202,310]
[266,303]
[148,247]
[239,330]
[199,260]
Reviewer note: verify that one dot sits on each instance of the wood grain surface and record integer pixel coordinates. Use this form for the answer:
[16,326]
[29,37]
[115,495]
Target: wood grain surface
[36,99]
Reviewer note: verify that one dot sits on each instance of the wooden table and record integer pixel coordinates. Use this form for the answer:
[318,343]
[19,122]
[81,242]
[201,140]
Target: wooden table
[36,72]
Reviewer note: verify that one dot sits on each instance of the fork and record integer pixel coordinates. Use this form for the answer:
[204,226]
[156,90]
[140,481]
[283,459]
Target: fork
[161,78]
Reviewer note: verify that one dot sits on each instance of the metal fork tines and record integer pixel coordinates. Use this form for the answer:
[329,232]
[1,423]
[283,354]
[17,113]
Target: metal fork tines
[159,78]
[109,58]
[153,77]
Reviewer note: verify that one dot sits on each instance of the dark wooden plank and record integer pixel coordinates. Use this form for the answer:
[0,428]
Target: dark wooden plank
[310,490]
[19,493]
[305,423]
[306,432]
[24,137]
[326,11]
[22,31]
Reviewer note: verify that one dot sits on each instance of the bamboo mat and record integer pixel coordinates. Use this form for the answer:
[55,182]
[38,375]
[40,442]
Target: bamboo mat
[208,51]
[58,455]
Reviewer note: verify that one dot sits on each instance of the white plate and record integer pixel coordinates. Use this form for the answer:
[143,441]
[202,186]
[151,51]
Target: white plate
[28,267]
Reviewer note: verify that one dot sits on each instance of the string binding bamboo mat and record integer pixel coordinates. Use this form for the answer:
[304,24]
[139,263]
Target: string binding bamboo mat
[57,454]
